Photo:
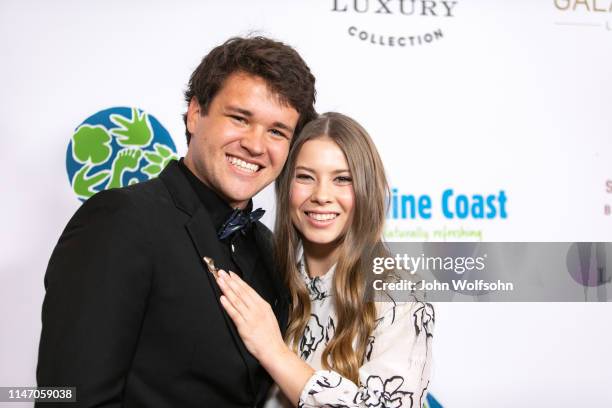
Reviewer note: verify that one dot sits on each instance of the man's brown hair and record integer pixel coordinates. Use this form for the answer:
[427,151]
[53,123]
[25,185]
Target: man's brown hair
[284,71]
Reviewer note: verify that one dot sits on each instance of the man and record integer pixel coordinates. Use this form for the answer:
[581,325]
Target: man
[131,315]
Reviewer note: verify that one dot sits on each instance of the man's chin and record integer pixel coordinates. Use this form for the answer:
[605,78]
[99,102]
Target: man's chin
[243,189]
[240,199]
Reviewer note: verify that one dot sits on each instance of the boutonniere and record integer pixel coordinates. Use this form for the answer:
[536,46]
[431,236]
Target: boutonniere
[210,264]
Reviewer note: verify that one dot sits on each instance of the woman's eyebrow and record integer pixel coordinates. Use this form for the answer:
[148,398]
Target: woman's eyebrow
[313,171]
[341,171]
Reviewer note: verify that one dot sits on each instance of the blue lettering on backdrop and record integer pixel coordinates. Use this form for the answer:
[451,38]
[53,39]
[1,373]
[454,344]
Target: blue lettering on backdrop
[453,206]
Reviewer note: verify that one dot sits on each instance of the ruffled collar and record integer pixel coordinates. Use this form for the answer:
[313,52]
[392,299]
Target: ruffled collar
[319,287]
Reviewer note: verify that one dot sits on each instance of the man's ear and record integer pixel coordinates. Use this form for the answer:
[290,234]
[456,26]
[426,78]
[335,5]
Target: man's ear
[193,115]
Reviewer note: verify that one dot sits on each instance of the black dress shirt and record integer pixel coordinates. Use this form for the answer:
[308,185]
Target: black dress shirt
[241,243]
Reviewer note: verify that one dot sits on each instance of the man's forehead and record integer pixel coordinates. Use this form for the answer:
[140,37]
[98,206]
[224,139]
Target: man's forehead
[243,84]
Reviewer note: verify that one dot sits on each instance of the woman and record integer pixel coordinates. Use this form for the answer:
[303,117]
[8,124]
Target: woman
[342,348]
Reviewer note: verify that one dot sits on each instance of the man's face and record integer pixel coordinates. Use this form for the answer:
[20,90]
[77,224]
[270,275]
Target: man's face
[240,145]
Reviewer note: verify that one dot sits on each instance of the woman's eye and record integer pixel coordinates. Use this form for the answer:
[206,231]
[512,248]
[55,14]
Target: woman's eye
[303,177]
[344,179]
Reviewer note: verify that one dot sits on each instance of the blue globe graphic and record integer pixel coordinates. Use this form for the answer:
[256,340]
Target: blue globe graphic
[160,145]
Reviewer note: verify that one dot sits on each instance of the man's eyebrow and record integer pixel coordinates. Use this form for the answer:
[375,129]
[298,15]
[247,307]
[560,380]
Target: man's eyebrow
[236,109]
[248,113]
[281,125]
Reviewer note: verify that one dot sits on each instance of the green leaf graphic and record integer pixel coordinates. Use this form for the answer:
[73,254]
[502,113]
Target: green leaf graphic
[163,150]
[158,162]
[152,170]
[153,158]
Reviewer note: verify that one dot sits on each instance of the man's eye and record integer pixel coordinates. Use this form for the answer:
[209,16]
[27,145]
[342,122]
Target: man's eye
[238,119]
[278,133]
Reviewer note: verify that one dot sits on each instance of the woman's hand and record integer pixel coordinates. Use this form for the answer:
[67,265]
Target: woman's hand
[252,315]
[259,331]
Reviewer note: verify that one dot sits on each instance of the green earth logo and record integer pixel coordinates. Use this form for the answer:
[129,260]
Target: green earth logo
[117,147]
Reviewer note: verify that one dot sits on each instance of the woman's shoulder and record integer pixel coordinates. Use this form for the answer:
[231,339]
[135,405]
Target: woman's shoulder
[414,313]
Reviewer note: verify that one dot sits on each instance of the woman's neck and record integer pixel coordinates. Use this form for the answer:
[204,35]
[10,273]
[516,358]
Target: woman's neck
[320,258]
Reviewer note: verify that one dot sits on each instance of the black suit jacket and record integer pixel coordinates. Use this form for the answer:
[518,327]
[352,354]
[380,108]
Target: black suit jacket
[131,315]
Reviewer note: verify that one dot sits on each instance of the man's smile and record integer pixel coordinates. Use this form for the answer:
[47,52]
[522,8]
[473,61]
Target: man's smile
[243,164]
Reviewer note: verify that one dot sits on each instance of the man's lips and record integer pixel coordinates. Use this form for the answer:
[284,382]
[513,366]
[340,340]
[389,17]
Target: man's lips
[242,164]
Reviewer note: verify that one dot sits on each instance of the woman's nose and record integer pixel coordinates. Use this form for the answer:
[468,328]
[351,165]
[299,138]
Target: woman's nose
[321,193]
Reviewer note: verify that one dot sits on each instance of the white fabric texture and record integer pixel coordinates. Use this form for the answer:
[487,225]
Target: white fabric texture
[397,366]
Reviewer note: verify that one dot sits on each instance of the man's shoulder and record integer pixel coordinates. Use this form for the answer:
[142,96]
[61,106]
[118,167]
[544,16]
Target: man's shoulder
[264,240]
[131,201]
[264,231]
[140,193]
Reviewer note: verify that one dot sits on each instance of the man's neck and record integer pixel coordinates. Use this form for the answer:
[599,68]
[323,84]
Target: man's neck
[241,205]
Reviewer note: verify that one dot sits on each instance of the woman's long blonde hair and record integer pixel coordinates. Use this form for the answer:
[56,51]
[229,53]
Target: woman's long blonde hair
[355,309]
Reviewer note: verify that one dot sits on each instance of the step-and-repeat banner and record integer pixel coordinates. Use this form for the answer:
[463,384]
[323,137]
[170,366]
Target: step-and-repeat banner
[492,117]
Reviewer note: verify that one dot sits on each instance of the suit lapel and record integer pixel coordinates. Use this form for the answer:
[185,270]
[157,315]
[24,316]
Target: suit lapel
[273,279]
[281,294]
[204,237]
[245,259]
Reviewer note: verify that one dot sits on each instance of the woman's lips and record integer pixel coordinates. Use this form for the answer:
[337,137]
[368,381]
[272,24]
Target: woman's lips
[321,219]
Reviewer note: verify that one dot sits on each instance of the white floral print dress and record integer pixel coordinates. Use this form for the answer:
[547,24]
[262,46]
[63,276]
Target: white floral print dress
[397,364]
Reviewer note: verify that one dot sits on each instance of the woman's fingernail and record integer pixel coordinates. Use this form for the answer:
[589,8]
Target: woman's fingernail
[222,273]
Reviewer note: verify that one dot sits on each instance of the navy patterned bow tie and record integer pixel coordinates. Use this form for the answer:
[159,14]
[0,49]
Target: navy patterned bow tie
[239,220]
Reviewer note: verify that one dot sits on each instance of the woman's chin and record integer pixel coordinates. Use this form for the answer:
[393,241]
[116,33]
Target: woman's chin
[320,238]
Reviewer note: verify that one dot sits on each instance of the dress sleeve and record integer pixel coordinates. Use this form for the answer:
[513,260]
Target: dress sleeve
[397,366]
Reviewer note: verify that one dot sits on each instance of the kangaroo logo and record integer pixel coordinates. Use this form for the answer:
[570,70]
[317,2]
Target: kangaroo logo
[116,147]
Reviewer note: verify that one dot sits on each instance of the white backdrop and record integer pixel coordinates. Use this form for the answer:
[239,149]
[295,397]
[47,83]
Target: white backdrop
[513,96]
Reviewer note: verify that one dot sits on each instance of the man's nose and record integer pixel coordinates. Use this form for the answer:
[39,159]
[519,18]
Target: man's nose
[254,141]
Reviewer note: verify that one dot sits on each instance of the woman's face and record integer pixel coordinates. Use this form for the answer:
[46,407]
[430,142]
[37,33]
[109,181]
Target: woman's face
[322,197]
